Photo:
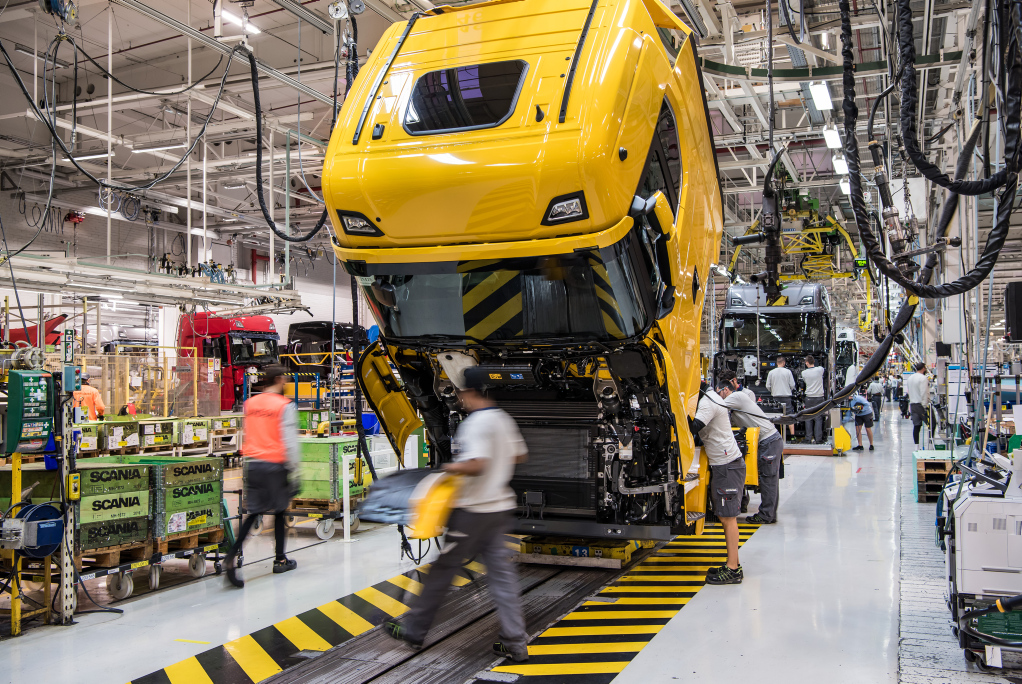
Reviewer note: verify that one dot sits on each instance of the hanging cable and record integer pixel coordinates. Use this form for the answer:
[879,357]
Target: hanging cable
[259,168]
[164,93]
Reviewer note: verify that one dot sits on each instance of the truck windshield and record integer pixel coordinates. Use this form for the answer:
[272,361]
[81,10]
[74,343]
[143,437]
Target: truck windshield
[252,349]
[788,332]
[602,294]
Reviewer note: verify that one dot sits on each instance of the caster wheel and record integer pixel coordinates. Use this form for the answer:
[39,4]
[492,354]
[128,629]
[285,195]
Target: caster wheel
[325,529]
[218,567]
[120,586]
[354,523]
[970,657]
[197,564]
[154,576]
[290,520]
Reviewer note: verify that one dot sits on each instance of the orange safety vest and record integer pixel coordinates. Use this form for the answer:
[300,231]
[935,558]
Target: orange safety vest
[262,438]
[89,397]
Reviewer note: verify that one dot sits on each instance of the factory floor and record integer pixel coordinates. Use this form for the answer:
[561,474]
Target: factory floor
[846,587]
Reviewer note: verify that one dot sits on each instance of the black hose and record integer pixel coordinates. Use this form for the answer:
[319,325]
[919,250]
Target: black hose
[151,92]
[876,104]
[940,134]
[259,167]
[909,100]
[997,236]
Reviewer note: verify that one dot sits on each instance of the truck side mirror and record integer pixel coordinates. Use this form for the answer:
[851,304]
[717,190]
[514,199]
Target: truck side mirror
[385,293]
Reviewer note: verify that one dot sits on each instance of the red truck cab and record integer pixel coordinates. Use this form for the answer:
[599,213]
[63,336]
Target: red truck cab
[240,342]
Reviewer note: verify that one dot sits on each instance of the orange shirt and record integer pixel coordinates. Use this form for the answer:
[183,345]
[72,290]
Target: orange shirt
[262,439]
[90,398]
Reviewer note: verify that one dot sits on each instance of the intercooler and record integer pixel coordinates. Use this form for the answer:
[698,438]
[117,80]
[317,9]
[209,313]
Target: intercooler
[561,465]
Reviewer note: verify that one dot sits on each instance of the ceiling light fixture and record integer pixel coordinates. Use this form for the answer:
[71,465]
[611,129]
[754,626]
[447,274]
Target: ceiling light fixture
[840,164]
[25,50]
[98,155]
[157,148]
[238,21]
[821,96]
[846,186]
[831,136]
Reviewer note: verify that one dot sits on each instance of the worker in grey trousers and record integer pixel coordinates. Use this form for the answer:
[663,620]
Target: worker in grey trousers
[746,413]
[486,448]
[812,376]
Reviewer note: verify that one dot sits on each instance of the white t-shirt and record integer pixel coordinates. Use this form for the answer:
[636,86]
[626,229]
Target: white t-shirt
[918,388]
[718,440]
[748,414]
[492,435]
[749,393]
[780,382]
[813,377]
[875,387]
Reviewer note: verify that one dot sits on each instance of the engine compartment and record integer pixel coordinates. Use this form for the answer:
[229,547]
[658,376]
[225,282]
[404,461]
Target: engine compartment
[602,438]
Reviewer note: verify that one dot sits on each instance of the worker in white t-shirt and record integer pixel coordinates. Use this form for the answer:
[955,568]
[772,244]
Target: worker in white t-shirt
[917,386]
[727,476]
[812,376]
[781,384]
[486,447]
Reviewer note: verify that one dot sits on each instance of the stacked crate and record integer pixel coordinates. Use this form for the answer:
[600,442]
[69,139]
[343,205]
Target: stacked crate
[225,425]
[309,419]
[156,434]
[121,436]
[193,432]
[320,468]
[189,492]
[932,468]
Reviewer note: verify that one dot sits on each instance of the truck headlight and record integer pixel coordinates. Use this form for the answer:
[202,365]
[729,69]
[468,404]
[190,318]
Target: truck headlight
[565,209]
[357,224]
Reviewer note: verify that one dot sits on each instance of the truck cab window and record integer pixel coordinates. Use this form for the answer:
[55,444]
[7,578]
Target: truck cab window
[464,98]
[663,165]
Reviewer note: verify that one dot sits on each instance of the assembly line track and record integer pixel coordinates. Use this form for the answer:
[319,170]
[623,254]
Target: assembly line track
[459,645]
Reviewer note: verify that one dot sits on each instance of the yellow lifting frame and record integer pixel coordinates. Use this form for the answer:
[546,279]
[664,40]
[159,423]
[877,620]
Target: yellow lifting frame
[807,241]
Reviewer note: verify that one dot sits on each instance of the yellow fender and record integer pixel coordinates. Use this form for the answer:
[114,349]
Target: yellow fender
[431,505]
[842,440]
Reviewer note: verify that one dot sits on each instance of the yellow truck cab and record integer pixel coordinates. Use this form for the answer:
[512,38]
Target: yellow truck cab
[530,186]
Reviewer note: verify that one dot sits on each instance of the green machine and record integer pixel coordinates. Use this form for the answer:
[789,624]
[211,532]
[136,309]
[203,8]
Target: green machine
[31,412]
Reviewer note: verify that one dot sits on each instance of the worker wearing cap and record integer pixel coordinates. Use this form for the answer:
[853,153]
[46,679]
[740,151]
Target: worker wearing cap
[486,448]
[746,413]
[272,455]
[781,383]
[727,477]
[88,397]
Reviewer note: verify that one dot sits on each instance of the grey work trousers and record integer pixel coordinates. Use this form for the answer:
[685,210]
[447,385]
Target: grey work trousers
[470,535]
[814,426]
[769,463]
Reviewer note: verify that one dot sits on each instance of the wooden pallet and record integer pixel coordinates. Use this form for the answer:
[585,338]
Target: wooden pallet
[25,458]
[189,540]
[928,497]
[126,451]
[224,432]
[313,506]
[942,466]
[112,556]
[157,448]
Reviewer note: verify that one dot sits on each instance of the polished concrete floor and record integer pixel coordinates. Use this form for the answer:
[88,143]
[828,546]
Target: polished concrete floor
[845,588]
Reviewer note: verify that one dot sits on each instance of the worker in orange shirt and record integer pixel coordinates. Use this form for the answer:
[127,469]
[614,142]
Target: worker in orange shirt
[271,451]
[90,398]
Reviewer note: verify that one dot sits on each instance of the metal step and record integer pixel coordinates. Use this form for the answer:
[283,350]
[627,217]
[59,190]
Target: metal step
[692,517]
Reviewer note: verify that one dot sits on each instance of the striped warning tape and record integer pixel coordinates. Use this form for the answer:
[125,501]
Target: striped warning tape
[268,651]
[613,321]
[491,302]
[595,642]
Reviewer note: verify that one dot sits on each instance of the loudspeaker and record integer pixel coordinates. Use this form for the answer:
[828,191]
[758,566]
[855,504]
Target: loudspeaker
[1013,312]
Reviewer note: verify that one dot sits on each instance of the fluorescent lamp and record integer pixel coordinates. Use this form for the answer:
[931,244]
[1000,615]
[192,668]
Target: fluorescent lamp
[831,136]
[25,50]
[840,165]
[846,186]
[821,96]
[232,184]
[157,148]
[100,155]
[238,21]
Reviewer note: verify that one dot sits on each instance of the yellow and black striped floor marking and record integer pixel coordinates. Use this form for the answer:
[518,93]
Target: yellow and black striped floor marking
[595,642]
[268,651]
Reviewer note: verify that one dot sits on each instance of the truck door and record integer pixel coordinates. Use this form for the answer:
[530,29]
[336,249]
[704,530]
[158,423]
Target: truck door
[386,398]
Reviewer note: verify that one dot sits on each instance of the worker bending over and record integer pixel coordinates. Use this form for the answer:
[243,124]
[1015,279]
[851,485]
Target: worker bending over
[272,456]
[746,413]
[812,376]
[918,389]
[862,409]
[89,398]
[727,477]
[486,447]
[781,383]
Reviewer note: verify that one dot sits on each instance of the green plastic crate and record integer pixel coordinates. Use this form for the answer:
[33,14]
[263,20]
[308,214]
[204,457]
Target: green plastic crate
[184,497]
[98,535]
[155,433]
[121,434]
[309,419]
[190,520]
[192,431]
[225,423]
[96,478]
[117,506]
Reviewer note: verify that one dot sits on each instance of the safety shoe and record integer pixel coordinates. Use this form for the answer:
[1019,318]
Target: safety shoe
[501,649]
[232,572]
[284,565]
[724,575]
[397,631]
[871,447]
[857,448]
[755,519]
